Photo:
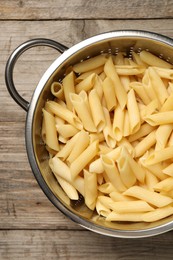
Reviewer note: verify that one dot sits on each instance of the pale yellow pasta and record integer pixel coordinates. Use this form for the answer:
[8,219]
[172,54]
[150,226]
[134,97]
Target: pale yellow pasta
[164,73]
[112,173]
[118,59]
[149,109]
[125,143]
[125,81]
[153,60]
[133,217]
[100,179]
[66,130]
[109,94]
[78,183]
[157,214]
[88,73]
[165,185]
[118,123]
[98,86]
[50,131]
[168,170]
[65,114]
[67,148]
[90,64]
[86,84]
[68,188]
[102,76]
[144,130]
[101,209]
[145,144]
[105,200]
[96,136]
[104,149]
[126,125]
[126,173]
[90,189]
[138,60]
[43,131]
[68,86]
[130,206]
[106,188]
[57,90]
[134,116]
[83,159]
[120,92]
[151,180]
[151,197]
[162,135]
[129,69]
[117,196]
[107,130]
[160,118]
[140,91]
[96,110]
[83,142]
[160,156]
[158,85]
[59,168]
[168,105]
[83,112]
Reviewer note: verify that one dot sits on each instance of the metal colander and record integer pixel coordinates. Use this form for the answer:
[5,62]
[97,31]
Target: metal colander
[111,42]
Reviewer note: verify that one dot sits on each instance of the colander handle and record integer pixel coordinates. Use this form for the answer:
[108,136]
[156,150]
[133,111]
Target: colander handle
[14,57]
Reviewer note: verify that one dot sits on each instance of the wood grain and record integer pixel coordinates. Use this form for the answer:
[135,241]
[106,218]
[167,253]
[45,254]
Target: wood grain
[81,9]
[46,244]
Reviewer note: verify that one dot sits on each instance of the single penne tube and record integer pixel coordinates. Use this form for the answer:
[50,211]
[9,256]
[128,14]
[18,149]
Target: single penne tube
[89,64]
[151,197]
[146,143]
[164,73]
[153,60]
[130,206]
[88,73]
[43,130]
[125,81]
[106,188]
[65,114]
[126,173]
[144,130]
[57,90]
[78,183]
[68,188]
[109,94]
[168,170]
[160,118]
[105,200]
[134,116]
[96,110]
[168,104]
[66,150]
[132,217]
[86,84]
[66,130]
[138,171]
[107,130]
[83,112]
[165,185]
[83,159]
[50,131]
[98,86]
[101,209]
[90,189]
[117,196]
[68,86]
[158,85]
[138,60]
[140,91]
[162,135]
[118,123]
[82,142]
[157,214]
[129,69]
[112,173]
[120,92]
[126,125]
[151,180]
[160,156]
[97,166]
[59,168]
[149,109]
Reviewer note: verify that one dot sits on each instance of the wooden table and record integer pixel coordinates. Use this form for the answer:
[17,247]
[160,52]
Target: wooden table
[30,226]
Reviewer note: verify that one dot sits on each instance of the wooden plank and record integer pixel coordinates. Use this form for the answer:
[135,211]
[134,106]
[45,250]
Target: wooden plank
[81,9]
[76,245]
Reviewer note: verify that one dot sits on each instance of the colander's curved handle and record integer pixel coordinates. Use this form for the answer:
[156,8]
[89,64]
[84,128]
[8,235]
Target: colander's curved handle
[14,57]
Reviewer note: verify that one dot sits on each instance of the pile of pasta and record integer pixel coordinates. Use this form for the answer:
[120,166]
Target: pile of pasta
[109,133]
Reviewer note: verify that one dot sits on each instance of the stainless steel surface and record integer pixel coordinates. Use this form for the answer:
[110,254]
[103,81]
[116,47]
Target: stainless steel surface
[107,42]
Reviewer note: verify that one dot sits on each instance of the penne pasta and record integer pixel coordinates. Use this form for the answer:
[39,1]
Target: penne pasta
[157,214]
[68,86]
[90,189]
[109,94]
